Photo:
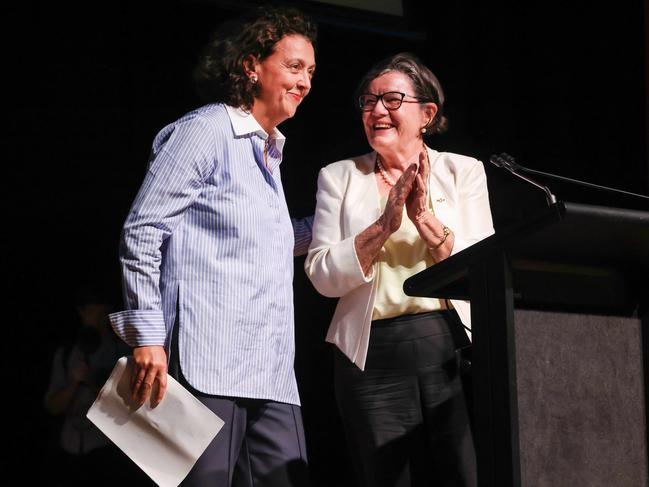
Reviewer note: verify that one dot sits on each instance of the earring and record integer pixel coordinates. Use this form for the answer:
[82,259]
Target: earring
[253,78]
[423,130]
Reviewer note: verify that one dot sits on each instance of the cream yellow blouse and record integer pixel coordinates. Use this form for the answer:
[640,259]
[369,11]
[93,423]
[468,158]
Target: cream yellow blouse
[403,255]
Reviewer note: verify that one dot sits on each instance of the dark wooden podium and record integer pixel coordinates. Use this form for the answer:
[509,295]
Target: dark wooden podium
[570,266]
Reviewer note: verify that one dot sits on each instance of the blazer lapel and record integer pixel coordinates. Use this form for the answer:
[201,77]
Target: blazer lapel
[439,194]
[363,203]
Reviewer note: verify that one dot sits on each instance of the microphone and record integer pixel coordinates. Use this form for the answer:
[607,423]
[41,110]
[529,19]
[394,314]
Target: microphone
[507,162]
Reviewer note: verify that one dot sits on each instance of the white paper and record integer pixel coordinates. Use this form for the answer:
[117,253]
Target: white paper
[164,442]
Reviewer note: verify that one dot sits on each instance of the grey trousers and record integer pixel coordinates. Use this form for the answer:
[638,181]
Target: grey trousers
[405,415]
[261,444]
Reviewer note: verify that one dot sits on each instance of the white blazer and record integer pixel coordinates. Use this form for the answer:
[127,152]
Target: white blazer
[348,202]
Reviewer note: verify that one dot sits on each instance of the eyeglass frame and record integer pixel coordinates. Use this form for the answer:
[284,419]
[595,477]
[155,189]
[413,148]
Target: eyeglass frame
[380,97]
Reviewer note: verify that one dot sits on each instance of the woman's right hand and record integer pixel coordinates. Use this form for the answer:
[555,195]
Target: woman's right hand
[368,243]
[150,365]
[393,213]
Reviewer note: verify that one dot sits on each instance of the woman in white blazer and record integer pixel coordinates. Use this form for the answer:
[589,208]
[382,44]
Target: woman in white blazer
[381,218]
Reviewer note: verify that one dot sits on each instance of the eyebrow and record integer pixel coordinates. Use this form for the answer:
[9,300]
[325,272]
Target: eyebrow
[301,61]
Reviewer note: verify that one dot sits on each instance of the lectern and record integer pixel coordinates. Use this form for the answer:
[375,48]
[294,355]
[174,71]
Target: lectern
[559,357]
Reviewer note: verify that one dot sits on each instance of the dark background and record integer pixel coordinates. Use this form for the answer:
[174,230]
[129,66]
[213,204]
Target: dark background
[560,87]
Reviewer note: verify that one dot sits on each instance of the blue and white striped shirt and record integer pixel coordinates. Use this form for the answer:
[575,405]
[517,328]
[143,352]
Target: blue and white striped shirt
[209,245]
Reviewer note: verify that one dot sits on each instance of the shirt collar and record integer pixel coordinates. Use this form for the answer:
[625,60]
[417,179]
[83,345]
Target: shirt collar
[244,123]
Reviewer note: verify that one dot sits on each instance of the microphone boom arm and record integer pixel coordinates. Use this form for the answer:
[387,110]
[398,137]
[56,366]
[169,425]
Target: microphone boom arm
[507,162]
[583,183]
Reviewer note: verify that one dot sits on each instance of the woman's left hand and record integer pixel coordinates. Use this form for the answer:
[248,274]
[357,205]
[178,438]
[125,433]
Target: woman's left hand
[417,201]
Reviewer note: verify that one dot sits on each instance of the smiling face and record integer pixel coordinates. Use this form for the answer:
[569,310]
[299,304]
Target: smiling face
[396,132]
[284,78]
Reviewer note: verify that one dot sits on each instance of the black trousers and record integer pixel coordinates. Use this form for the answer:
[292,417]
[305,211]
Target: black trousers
[405,415]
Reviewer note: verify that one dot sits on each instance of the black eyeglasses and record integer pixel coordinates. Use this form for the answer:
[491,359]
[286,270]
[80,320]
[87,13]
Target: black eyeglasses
[391,100]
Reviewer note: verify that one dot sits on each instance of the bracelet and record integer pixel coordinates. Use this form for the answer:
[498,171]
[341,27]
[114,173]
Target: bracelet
[447,232]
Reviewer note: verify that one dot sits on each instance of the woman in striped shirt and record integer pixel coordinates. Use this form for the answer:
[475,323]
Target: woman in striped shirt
[207,254]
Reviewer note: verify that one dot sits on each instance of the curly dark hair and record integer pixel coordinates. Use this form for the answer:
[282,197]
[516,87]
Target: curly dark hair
[426,85]
[220,76]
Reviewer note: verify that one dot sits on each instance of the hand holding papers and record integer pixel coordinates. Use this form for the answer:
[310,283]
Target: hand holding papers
[164,442]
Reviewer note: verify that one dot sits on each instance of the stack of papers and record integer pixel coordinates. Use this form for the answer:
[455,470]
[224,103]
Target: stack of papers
[164,442]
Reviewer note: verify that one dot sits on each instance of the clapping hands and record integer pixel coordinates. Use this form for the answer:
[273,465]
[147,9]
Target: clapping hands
[411,190]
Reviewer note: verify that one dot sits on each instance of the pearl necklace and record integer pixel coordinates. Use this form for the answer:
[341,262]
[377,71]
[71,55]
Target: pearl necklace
[386,177]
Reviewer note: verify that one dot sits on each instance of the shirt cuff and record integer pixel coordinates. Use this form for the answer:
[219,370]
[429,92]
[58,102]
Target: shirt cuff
[140,327]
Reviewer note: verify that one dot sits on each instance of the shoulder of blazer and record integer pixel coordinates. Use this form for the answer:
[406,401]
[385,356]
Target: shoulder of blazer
[451,161]
[359,165]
